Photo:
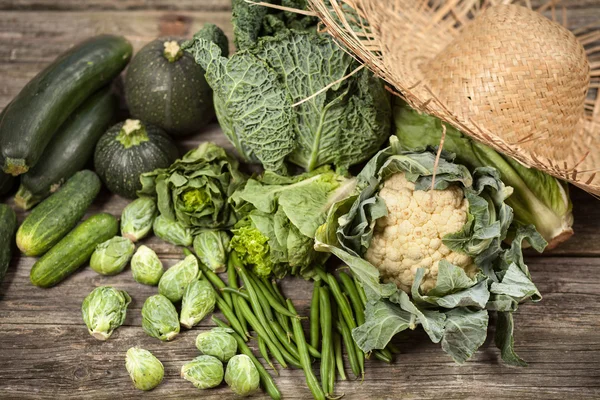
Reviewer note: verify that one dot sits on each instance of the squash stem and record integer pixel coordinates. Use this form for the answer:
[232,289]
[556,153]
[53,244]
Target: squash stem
[172,51]
[15,166]
[133,133]
[25,199]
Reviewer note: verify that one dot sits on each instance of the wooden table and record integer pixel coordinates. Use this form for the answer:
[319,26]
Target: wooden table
[46,352]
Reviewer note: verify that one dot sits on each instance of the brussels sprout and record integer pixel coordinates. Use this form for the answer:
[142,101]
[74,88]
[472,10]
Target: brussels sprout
[217,343]
[104,310]
[211,248]
[178,277]
[146,266]
[112,256]
[159,318]
[137,218]
[145,370]
[242,375]
[204,372]
[198,301]
[172,231]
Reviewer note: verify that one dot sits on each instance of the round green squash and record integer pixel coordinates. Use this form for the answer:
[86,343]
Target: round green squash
[166,87]
[129,149]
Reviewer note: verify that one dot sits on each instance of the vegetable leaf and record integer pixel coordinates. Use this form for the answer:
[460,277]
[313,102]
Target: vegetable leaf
[383,321]
[505,341]
[465,331]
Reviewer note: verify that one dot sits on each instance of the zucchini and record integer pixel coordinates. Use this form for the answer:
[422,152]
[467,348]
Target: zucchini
[38,111]
[73,250]
[70,150]
[8,226]
[58,214]
[6,183]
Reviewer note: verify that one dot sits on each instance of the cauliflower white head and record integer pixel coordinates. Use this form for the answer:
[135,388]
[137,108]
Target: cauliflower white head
[410,236]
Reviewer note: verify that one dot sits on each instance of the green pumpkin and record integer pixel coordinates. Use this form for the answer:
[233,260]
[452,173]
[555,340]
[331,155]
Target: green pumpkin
[129,149]
[166,87]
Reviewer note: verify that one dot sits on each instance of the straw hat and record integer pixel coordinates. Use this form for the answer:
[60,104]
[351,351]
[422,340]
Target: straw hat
[502,73]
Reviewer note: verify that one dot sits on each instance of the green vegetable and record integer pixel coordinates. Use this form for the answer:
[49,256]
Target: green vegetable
[198,301]
[111,257]
[104,310]
[211,247]
[282,215]
[159,318]
[145,370]
[8,226]
[70,149]
[343,125]
[218,342]
[33,117]
[265,378]
[175,280]
[241,375]
[195,189]
[146,266]
[137,218]
[326,334]
[452,308]
[172,231]
[204,372]
[73,250]
[57,215]
[129,149]
[538,199]
[165,87]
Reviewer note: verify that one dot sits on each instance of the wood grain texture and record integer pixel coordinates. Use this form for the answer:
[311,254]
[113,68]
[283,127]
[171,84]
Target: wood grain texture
[46,352]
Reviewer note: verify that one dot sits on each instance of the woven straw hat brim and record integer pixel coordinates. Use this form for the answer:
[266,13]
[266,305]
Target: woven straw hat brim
[501,73]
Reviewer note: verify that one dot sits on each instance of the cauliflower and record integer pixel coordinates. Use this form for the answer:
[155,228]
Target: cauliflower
[410,236]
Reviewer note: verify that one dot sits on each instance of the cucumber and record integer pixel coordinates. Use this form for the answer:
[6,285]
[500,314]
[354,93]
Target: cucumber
[58,214]
[70,149]
[8,226]
[73,250]
[38,111]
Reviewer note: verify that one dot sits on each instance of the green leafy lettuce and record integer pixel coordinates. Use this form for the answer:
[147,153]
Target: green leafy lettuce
[282,215]
[538,198]
[195,189]
[455,312]
[258,94]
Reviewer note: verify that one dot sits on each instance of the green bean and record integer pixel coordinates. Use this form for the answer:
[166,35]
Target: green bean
[282,336]
[393,348]
[325,317]
[313,352]
[361,291]
[277,291]
[240,315]
[339,360]
[262,348]
[346,312]
[311,380]
[282,319]
[314,316]
[265,377]
[352,293]
[260,330]
[256,303]
[349,345]
[230,315]
[235,292]
[384,355]
[231,274]
[273,302]
[270,288]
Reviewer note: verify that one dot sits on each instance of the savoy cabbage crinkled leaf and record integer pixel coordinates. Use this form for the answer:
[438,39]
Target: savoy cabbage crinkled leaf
[269,102]
[455,311]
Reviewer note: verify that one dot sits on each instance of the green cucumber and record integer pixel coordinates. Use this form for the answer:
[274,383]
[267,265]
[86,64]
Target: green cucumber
[35,115]
[8,226]
[58,214]
[73,250]
[70,150]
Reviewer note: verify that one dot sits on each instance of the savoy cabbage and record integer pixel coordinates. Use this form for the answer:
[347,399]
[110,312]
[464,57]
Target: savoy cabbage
[256,92]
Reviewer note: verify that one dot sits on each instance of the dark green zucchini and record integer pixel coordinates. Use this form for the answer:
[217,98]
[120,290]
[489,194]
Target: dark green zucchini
[6,183]
[58,214]
[129,149]
[8,226]
[166,87]
[38,111]
[73,250]
[70,149]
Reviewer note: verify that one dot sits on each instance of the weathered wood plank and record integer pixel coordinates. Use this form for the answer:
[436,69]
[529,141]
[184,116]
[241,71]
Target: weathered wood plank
[45,346]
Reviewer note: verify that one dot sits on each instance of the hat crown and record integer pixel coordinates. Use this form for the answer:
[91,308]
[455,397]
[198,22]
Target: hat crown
[517,74]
